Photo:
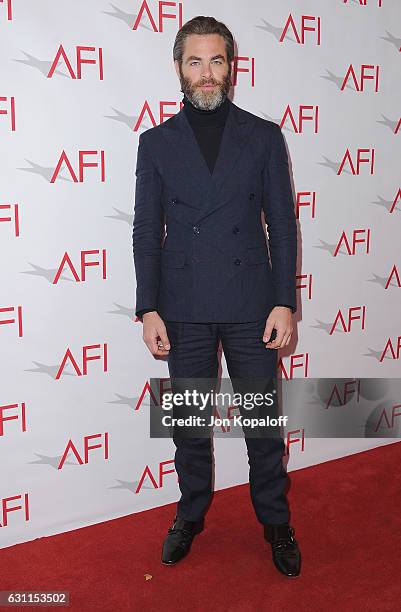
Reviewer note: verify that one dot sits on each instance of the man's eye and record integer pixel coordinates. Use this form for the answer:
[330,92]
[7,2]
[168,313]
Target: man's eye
[196,62]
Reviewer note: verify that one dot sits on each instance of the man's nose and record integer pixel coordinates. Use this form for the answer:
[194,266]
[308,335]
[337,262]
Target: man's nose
[207,71]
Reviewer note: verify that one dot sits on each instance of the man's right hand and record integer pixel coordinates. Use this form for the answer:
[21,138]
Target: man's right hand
[155,334]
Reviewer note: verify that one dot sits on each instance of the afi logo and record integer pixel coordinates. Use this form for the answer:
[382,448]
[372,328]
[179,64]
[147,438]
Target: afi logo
[249,68]
[14,321]
[355,313]
[79,61]
[306,113]
[394,348]
[306,199]
[87,447]
[7,508]
[394,271]
[356,168]
[157,479]
[340,396]
[10,111]
[68,356]
[147,389]
[13,219]
[309,23]
[389,420]
[83,264]
[359,80]
[296,436]
[306,283]
[81,165]
[350,244]
[365,2]
[396,200]
[156,21]
[7,4]
[17,414]
[295,362]
[161,113]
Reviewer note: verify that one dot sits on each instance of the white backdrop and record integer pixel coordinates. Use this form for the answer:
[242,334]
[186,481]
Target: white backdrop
[79,82]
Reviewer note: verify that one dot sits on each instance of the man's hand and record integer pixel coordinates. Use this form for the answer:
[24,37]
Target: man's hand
[155,334]
[280,318]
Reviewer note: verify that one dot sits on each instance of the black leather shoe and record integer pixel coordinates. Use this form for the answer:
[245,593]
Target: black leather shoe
[286,554]
[179,539]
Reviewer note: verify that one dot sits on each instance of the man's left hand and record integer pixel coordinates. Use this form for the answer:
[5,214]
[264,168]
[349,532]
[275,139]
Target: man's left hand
[279,318]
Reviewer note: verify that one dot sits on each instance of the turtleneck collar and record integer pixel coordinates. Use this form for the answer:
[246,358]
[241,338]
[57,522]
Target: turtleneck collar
[207,118]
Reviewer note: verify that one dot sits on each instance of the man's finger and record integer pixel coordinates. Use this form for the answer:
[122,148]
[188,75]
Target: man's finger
[164,338]
[287,339]
[268,331]
[277,341]
[156,349]
[154,343]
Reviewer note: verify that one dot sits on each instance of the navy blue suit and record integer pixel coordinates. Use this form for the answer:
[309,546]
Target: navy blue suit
[213,264]
[210,277]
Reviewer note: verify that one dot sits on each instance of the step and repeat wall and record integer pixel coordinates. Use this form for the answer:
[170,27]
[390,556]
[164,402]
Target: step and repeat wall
[79,82]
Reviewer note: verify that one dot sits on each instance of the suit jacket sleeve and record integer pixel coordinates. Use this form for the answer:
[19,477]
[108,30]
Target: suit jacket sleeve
[287,306]
[140,313]
[148,229]
[278,206]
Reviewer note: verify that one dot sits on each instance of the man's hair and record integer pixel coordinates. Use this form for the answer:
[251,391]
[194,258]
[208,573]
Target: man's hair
[203,25]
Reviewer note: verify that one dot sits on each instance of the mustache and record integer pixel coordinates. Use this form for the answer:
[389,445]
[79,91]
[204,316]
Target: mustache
[208,83]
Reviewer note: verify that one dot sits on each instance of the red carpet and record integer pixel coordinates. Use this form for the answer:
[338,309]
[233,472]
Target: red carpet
[346,515]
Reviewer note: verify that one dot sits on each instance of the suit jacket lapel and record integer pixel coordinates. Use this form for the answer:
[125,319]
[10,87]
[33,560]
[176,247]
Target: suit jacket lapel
[181,137]
[236,132]
[234,137]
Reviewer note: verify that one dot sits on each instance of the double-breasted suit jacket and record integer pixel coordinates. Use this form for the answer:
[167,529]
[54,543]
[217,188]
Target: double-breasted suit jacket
[200,249]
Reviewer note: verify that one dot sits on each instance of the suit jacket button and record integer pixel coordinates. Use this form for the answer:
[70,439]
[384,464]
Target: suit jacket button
[174,201]
[251,196]
[237,262]
[235,230]
[196,229]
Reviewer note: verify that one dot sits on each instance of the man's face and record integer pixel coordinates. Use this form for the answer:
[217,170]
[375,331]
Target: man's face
[205,74]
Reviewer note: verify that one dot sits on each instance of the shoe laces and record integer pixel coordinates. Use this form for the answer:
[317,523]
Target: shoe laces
[175,529]
[285,543]
[186,538]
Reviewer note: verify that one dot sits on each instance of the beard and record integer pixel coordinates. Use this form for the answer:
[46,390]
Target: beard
[205,100]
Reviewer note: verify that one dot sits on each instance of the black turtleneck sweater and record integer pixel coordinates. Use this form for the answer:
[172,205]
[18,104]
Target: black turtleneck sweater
[208,126]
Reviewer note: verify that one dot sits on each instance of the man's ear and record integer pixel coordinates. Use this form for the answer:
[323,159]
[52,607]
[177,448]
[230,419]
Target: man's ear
[232,69]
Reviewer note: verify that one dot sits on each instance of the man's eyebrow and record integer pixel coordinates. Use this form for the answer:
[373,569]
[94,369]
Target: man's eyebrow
[194,57]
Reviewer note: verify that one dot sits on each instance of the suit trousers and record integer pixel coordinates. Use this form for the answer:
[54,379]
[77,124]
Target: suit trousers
[194,354]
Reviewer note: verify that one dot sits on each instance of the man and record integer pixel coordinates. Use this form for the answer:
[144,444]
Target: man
[207,174]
